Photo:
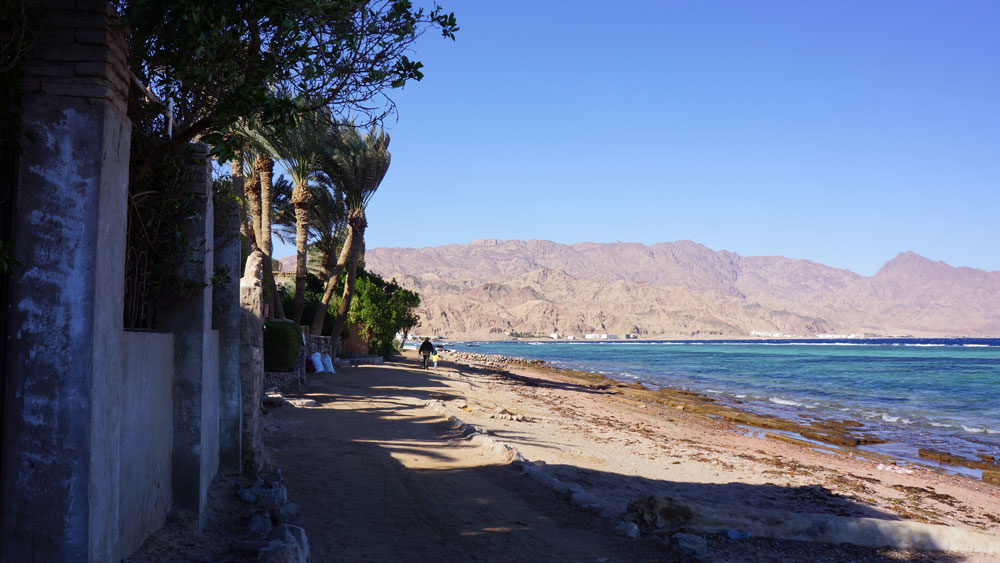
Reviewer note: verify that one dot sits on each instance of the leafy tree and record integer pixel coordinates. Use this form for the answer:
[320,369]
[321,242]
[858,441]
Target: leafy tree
[381,309]
[270,62]
[357,164]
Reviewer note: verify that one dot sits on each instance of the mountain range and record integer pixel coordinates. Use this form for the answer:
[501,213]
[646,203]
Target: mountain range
[491,288]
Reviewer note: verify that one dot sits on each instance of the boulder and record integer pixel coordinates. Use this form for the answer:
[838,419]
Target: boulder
[627,529]
[288,513]
[280,552]
[260,524]
[690,545]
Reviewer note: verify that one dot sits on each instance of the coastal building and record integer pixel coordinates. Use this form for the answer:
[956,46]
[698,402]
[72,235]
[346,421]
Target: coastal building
[555,336]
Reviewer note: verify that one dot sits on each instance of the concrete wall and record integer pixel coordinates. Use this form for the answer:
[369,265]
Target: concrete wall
[196,383]
[63,363]
[146,493]
[209,419]
[226,304]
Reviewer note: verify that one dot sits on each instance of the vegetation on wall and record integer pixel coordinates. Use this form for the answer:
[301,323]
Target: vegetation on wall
[157,248]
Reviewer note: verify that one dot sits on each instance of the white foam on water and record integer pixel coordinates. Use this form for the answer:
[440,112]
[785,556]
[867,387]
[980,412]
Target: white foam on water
[890,418]
[940,425]
[785,402]
[973,430]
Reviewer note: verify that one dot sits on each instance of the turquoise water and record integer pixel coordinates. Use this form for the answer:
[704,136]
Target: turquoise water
[942,394]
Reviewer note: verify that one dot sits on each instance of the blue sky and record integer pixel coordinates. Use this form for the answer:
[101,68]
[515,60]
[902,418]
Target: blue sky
[842,132]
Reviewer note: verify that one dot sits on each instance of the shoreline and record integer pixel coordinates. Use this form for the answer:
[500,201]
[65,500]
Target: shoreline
[843,437]
[619,446]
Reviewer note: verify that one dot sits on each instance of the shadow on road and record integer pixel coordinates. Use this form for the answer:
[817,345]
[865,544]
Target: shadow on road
[380,479]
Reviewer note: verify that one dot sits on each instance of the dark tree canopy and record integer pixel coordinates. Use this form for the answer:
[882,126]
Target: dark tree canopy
[266,62]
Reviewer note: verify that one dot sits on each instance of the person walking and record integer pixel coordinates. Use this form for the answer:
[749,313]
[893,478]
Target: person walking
[434,357]
[426,349]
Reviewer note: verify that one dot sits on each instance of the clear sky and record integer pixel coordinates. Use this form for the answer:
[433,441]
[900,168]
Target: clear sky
[840,131]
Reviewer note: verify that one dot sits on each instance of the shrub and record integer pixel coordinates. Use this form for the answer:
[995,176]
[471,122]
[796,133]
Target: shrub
[282,341]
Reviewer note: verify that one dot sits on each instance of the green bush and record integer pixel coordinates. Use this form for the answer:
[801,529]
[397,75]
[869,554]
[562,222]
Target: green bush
[282,341]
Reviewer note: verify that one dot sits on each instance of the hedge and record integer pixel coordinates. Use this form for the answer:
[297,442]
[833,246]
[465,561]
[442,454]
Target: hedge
[282,341]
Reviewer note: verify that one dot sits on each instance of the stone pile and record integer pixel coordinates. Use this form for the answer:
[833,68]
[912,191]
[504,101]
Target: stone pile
[501,413]
[274,532]
[490,360]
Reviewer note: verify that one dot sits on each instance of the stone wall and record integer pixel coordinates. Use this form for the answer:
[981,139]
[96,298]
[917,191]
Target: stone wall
[145,495]
[321,344]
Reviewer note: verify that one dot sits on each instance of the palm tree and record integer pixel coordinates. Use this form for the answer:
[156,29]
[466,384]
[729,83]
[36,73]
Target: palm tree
[300,149]
[327,223]
[265,169]
[356,164]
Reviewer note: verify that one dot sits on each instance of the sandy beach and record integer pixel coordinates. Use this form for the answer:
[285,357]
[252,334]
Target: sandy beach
[383,475]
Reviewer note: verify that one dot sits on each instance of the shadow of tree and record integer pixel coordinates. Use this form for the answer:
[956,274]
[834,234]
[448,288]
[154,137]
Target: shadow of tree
[380,481]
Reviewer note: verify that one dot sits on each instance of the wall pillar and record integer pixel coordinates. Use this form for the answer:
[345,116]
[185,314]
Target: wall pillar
[196,385]
[226,301]
[61,461]
[252,362]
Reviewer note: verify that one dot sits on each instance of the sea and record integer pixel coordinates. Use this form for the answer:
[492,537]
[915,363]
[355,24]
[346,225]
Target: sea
[942,394]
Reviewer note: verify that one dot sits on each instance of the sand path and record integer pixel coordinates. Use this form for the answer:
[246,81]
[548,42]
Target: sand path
[383,476]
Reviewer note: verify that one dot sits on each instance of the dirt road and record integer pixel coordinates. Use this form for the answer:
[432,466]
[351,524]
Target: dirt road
[382,477]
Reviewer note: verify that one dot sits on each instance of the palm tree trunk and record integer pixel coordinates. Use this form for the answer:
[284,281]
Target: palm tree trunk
[251,186]
[319,318]
[266,167]
[352,271]
[248,240]
[302,200]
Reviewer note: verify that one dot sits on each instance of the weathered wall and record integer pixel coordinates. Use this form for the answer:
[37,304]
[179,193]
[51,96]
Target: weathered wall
[251,369]
[60,471]
[226,304]
[355,345]
[196,400]
[210,418]
[147,387]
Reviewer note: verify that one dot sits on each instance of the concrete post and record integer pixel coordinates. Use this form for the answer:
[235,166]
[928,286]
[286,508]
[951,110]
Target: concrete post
[62,404]
[226,301]
[196,385]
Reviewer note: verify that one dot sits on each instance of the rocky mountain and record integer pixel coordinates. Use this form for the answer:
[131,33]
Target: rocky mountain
[489,288]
